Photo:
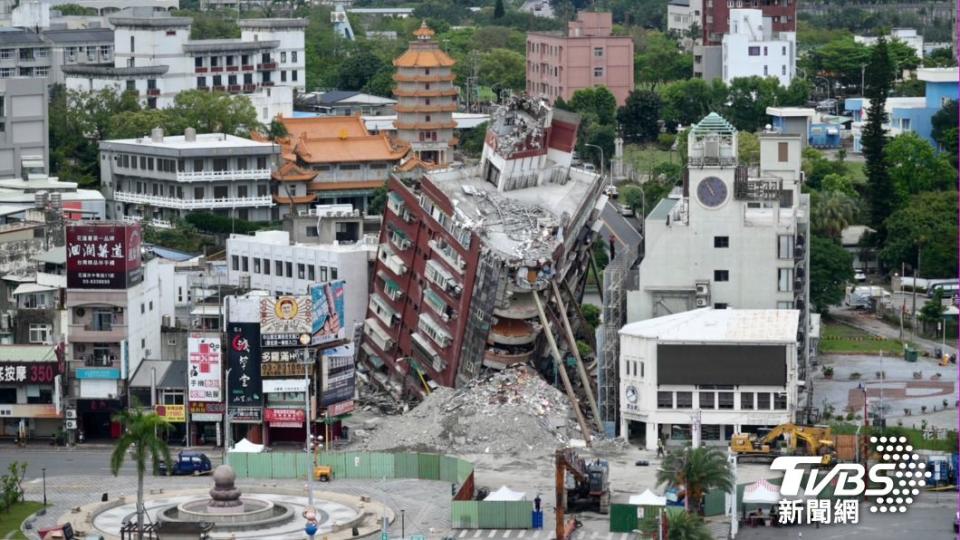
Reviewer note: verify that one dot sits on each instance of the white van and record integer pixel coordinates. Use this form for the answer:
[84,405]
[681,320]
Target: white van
[949,288]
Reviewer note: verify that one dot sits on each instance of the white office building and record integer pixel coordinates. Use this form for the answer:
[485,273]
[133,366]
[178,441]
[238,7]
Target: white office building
[907,36]
[751,48]
[706,374]
[162,178]
[268,261]
[154,56]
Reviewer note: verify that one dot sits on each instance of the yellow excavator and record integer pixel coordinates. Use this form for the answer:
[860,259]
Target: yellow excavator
[816,441]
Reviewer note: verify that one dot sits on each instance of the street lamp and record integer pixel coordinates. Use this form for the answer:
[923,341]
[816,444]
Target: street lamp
[44,470]
[305,341]
[403,529]
[226,416]
[602,161]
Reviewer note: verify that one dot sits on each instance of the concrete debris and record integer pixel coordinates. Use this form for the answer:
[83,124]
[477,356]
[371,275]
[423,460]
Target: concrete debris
[512,412]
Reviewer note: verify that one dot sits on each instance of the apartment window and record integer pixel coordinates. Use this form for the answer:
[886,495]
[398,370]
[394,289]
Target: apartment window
[708,400]
[301,271]
[198,61]
[598,52]
[725,400]
[256,265]
[785,305]
[221,192]
[780,401]
[261,163]
[214,61]
[289,269]
[232,80]
[323,273]
[665,400]
[598,72]
[783,152]
[746,401]
[198,165]
[684,400]
[783,50]
[6,54]
[764,50]
[333,273]
[218,80]
[720,305]
[293,75]
[283,57]
[278,268]
[245,264]
[312,232]
[783,69]
[132,44]
[721,241]
[311,273]
[247,78]
[765,71]
[261,191]
[245,59]
[721,275]
[763,401]
[242,164]
[283,76]
[39,333]
[242,192]
[220,164]
[785,279]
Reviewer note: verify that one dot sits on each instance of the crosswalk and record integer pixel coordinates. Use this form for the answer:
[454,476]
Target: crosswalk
[540,534]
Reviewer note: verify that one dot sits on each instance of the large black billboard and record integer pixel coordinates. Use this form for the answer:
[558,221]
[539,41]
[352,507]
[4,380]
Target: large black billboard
[243,355]
[722,364]
[339,376]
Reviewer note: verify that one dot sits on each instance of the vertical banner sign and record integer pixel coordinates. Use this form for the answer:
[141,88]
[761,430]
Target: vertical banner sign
[103,255]
[328,319]
[284,319]
[244,356]
[204,364]
[339,375]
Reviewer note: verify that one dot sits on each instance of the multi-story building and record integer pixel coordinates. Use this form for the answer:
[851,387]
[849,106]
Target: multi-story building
[78,47]
[23,53]
[330,224]
[426,98]
[332,160]
[907,36]
[682,15]
[30,384]
[344,103]
[732,237]
[270,262]
[780,17]
[706,374]
[155,57]
[24,124]
[113,310]
[465,253]
[587,55]
[162,177]
[752,49]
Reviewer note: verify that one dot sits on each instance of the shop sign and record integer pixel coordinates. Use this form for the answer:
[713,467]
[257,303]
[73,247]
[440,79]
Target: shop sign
[103,255]
[338,375]
[284,319]
[338,409]
[278,369]
[97,373]
[206,412]
[172,413]
[204,359]
[28,372]
[277,386]
[244,356]
[328,322]
[40,410]
[285,417]
[246,415]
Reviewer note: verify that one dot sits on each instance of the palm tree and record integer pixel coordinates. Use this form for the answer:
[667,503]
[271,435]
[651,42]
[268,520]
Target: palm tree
[832,212]
[697,470]
[141,438]
[682,525]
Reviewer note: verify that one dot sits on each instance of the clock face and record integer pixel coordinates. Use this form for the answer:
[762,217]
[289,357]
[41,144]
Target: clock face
[632,394]
[712,192]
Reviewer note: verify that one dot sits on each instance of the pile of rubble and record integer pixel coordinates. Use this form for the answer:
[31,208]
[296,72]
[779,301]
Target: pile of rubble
[512,412]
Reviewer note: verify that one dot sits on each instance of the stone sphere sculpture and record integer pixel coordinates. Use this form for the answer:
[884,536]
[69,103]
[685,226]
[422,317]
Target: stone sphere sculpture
[224,493]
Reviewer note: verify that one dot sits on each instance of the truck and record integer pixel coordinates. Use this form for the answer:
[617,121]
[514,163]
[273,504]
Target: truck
[785,440]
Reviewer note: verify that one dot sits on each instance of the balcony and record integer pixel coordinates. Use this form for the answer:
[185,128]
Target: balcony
[376,333]
[399,239]
[391,261]
[496,358]
[232,68]
[193,204]
[218,88]
[449,256]
[153,91]
[89,333]
[200,69]
[383,311]
[434,330]
[518,306]
[514,332]
[97,360]
[247,67]
[397,206]
[234,88]
[440,307]
[437,275]
[267,66]
[266,83]
[422,345]
[390,287]
[216,69]
[248,88]
[219,176]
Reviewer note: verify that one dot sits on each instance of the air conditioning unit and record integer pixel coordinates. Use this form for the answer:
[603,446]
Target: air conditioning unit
[702,302]
[703,289]
[71,414]
[71,424]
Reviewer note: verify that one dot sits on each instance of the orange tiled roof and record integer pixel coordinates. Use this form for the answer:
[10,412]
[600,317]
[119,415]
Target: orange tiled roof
[337,186]
[296,199]
[289,172]
[424,58]
[433,92]
[439,107]
[327,126]
[425,78]
[415,163]
[336,139]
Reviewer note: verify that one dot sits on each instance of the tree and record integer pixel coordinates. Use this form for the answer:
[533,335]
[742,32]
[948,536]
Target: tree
[932,310]
[214,112]
[141,438]
[748,100]
[276,130]
[748,148]
[681,525]
[927,223]
[816,167]
[639,116]
[658,58]
[597,100]
[880,189]
[831,268]
[840,60]
[498,10]
[503,68]
[471,140]
[944,124]
[591,315]
[632,196]
[831,212]
[904,56]
[357,69]
[378,201]
[696,470]
[75,9]
[937,58]
[914,167]
[687,102]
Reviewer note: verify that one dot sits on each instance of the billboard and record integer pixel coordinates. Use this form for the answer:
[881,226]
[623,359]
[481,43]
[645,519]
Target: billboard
[206,412]
[243,353]
[172,413]
[204,367]
[284,319]
[103,255]
[338,375]
[284,417]
[328,318]
[29,372]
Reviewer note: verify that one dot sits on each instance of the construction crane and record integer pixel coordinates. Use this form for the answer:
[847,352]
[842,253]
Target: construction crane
[817,441]
[590,482]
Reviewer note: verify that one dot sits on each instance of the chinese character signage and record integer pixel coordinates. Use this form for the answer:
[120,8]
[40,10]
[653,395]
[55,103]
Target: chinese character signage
[204,359]
[206,412]
[338,375]
[103,255]
[246,415]
[172,413]
[28,372]
[341,408]
[281,369]
[244,356]
[284,319]
[328,317]
[284,417]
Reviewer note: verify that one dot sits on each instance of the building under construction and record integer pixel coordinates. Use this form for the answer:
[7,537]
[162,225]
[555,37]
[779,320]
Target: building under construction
[478,266]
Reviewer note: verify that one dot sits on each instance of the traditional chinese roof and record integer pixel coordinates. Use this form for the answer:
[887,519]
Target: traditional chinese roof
[714,123]
[336,139]
[424,32]
[344,186]
[289,172]
[296,199]
[424,53]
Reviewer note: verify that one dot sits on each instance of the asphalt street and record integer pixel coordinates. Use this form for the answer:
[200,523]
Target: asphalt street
[619,227]
[59,461]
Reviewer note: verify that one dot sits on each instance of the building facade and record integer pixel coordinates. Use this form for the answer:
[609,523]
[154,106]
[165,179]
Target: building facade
[155,57]
[426,98]
[31,379]
[24,125]
[780,17]
[752,49]
[23,53]
[907,36]
[706,374]
[78,47]
[163,178]
[587,55]
[455,279]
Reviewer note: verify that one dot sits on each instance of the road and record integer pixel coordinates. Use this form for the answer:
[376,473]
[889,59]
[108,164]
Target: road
[61,461]
[870,324]
[619,227]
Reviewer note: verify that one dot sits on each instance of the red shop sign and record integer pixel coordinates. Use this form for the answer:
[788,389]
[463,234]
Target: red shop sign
[285,417]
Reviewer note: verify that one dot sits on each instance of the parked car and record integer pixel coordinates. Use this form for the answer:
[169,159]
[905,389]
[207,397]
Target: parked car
[186,462]
[859,276]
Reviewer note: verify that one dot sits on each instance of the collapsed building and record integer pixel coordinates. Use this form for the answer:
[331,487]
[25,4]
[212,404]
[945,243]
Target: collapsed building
[478,265]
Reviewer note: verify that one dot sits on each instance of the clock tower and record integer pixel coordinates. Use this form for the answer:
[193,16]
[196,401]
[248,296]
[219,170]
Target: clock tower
[712,163]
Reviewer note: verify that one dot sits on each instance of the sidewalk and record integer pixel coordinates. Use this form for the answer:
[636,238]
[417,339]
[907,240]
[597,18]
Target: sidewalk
[870,324]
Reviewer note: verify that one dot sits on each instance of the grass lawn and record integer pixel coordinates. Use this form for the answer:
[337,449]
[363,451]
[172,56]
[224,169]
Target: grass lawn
[841,338]
[644,158]
[914,436]
[10,521]
[856,172]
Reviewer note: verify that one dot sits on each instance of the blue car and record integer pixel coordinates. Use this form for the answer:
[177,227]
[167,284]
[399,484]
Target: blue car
[186,462]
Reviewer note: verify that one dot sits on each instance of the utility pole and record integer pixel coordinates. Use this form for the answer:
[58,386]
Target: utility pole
[916,275]
[903,275]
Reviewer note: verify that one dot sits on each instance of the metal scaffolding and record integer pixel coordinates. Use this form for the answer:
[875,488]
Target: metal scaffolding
[615,282]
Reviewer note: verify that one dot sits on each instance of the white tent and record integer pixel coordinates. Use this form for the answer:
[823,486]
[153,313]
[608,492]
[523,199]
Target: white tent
[506,494]
[648,498]
[761,492]
[243,445]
